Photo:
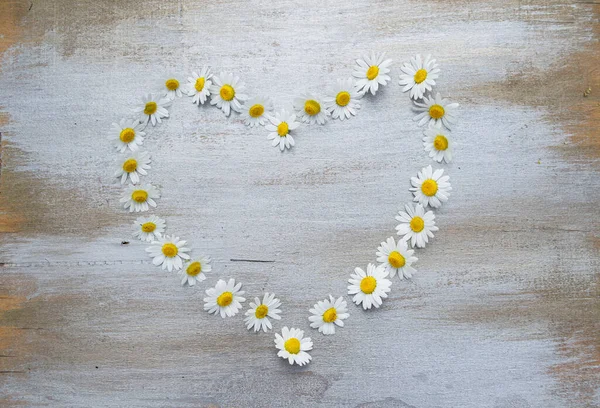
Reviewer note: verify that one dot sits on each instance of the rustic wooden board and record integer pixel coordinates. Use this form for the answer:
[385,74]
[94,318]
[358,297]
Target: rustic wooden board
[504,310]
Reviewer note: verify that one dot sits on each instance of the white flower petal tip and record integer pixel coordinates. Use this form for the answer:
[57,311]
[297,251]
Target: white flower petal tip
[153,109]
[132,166]
[195,271]
[168,252]
[438,143]
[396,258]
[371,72]
[327,314]
[256,111]
[342,101]
[225,299]
[431,188]
[369,288]
[293,346]
[418,76]
[149,229]
[261,311]
[280,127]
[416,226]
[227,93]
[199,84]
[138,198]
[310,109]
[436,111]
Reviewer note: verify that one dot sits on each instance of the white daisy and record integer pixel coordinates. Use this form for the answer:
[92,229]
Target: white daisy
[293,345]
[148,228]
[256,111]
[225,298]
[139,198]
[227,93]
[436,111]
[419,76]
[343,100]
[416,225]
[195,271]
[168,252]
[127,134]
[257,316]
[172,89]
[371,72]
[199,86]
[430,188]
[370,288]
[132,166]
[153,109]
[328,313]
[281,124]
[310,109]
[437,143]
[396,258]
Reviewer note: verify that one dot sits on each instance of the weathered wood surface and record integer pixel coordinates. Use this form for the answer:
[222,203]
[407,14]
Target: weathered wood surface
[504,310]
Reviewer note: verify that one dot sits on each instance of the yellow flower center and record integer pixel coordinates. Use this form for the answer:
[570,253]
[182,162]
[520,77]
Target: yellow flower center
[261,311]
[148,226]
[292,345]
[256,110]
[283,129]
[194,269]
[342,98]
[368,284]
[227,92]
[127,135]
[440,142]
[429,187]
[417,224]
[330,315]
[150,108]
[169,250]
[139,196]
[312,107]
[396,259]
[420,76]
[172,84]
[199,85]
[436,111]
[225,299]
[130,165]
[372,72]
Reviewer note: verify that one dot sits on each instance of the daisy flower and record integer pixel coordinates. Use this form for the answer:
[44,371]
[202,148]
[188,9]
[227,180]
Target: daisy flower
[293,345]
[419,76]
[148,228]
[168,251]
[199,86]
[195,271]
[257,316]
[416,225]
[370,288]
[328,313]
[396,258]
[226,93]
[371,72]
[139,198]
[281,124]
[310,109]
[430,188]
[437,143]
[172,89]
[343,102]
[256,111]
[153,109]
[436,111]
[225,298]
[127,134]
[132,166]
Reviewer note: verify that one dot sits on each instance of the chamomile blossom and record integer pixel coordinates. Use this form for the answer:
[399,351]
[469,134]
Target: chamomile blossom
[310,109]
[199,85]
[436,111]
[256,111]
[430,188]
[280,126]
[293,346]
[168,252]
[369,288]
[224,299]
[437,143]
[416,226]
[371,71]
[342,101]
[396,258]
[127,134]
[132,166]
[419,76]
[139,197]
[152,109]
[328,313]
[257,317]
[227,93]
[148,228]
[194,271]
[172,88]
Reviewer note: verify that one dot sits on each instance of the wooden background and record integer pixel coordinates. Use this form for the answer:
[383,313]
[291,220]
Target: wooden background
[504,311]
